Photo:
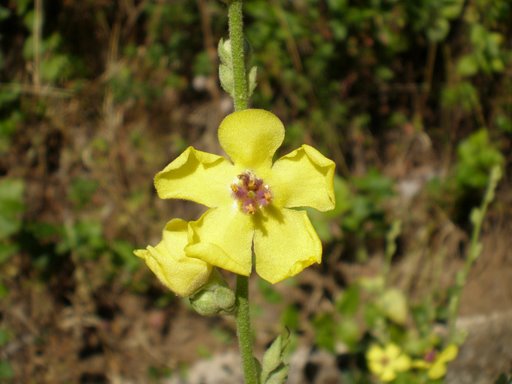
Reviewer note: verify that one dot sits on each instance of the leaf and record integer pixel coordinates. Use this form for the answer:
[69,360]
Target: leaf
[4,12]
[252,77]
[4,337]
[6,251]
[226,79]
[11,206]
[348,303]
[504,379]
[273,368]
[394,305]
[348,332]
[325,328]
[476,216]
[3,291]
[6,371]
[467,66]
[279,376]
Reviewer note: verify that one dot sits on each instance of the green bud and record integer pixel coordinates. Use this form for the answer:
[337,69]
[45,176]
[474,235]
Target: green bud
[215,298]
[226,79]
[273,369]
[226,67]
[224,50]
[252,79]
[278,376]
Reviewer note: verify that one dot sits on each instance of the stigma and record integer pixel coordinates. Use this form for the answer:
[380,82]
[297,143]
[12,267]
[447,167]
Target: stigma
[250,192]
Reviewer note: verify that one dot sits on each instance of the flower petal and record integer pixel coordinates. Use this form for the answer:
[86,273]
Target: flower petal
[303,178]
[387,374]
[449,353]
[392,351]
[421,364]
[251,137]
[402,363]
[182,275]
[284,244]
[375,353]
[198,176]
[437,370]
[223,237]
[376,367]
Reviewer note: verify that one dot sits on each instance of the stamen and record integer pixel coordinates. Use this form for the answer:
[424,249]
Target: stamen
[250,192]
[430,356]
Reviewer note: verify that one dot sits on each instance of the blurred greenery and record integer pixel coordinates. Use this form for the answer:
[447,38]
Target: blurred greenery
[97,96]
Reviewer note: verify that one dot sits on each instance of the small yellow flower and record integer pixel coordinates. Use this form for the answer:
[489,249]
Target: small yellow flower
[167,260]
[386,362]
[436,362]
[250,199]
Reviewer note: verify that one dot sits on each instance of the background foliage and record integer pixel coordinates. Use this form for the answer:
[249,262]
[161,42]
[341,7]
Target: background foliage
[412,99]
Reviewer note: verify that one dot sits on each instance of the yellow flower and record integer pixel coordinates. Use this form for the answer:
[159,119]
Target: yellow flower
[181,274]
[250,199]
[386,362]
[436,362]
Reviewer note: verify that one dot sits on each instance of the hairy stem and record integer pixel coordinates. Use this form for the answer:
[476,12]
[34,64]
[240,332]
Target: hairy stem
[240,98]
[243,328]
[236,36]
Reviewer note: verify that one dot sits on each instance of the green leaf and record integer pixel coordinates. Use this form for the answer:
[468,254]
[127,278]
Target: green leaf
[82,190]
[348,303]
[273,368]
[325,328]
[6,251]
[6,371]
[252,77]
[124,251]
[278,376]
[22,6]
[467,66]
[476,216]
[439,30]
[290,317]
[372,314]
[202,65]
[504,379]
[4,12]
[55,68]
[348,331]
[11,206]
[5,336]
[269,292]
[394,305]
[476,158]
[342,195]
[3,291]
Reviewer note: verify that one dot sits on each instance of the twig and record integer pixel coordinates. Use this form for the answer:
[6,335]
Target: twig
[37,33]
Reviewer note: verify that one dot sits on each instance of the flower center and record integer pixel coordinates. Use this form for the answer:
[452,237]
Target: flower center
[250,192]
[430,356]
[384,361]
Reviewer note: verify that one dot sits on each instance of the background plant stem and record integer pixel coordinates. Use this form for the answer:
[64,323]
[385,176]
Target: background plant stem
[236,36]
[475,248]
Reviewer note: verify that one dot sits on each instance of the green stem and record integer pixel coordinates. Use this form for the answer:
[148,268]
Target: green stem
[243,328]
[236,37]
[240,99]
[475,248]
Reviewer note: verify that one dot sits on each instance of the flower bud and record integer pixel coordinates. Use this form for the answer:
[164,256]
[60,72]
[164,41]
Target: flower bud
[215,298]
